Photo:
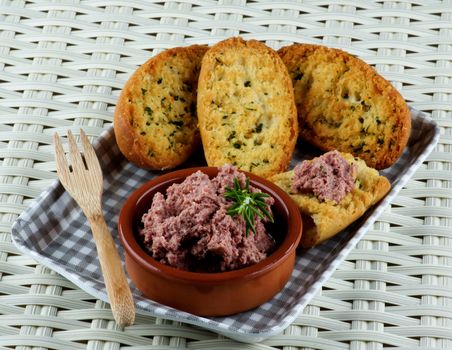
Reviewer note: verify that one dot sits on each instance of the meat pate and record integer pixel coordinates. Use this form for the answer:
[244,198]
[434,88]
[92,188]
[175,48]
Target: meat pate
[328,177]
[190,229]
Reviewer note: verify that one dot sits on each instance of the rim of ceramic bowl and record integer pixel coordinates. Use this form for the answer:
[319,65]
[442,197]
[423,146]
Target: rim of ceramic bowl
[129,241]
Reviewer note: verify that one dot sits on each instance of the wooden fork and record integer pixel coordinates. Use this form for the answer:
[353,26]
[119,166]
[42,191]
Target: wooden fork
[83,181]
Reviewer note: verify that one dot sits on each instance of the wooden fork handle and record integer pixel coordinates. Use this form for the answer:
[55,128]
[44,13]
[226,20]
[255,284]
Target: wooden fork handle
[118,289]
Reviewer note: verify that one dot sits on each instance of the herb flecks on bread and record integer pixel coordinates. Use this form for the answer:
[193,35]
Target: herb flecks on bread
[246,109]
[155,120]
[344,104]
[323,219]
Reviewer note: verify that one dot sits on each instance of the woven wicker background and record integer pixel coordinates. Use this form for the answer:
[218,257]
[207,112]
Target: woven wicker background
[62,65]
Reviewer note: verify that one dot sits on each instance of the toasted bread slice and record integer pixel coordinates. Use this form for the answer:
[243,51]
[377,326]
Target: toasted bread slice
[323,219]
[344,104]
[246,109]
[155,120]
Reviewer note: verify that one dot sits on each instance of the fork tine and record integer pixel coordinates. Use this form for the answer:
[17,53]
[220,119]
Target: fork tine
[90,155]
[74,153]
[61,161]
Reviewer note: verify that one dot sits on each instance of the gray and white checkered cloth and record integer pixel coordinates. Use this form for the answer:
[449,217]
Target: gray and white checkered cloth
[55,232]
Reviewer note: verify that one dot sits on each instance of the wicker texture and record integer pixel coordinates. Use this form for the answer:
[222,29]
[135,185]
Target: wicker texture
[62,65]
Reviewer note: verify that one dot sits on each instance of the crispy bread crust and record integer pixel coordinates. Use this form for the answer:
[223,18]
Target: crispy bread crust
[322,220]
[344,104]
[246,108]
[155,120]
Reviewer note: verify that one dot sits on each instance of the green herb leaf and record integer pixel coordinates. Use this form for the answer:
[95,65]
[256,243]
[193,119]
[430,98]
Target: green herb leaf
[247,204]
[298,76]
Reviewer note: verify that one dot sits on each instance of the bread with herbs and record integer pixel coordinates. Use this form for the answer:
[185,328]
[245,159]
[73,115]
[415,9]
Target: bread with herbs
[323,214]
[246,109]
[155,121]
[344,104]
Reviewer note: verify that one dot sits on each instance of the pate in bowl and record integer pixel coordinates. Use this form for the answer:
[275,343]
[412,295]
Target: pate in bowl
[185,248]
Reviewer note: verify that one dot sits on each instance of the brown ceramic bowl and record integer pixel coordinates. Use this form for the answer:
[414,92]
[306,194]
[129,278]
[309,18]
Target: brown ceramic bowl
[210,294]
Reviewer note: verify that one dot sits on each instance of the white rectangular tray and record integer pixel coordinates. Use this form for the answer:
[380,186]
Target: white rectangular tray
[55,232]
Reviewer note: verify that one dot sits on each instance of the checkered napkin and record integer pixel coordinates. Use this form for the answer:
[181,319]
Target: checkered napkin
[55,232]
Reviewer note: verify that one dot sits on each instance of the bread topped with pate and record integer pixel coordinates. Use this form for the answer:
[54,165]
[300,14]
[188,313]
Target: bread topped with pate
[331,192]
[155,120]
[344,104]
[246,109]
